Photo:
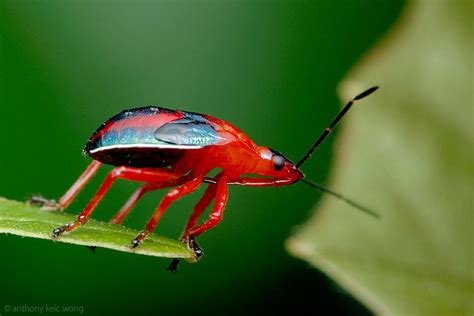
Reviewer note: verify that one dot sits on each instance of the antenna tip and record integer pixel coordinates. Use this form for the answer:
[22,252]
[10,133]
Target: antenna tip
[366,93]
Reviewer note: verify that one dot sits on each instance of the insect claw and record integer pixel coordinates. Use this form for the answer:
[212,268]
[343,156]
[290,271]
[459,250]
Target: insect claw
[139,239]
[43,203]
[173,267]
[66,228]
[190,241]
[58,231]
[134,244]
[193,245]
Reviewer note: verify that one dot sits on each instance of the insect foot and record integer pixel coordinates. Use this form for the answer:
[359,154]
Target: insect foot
[139,239]
[192,245]
[66,228]
[190,241]
[173,267]
[43,203]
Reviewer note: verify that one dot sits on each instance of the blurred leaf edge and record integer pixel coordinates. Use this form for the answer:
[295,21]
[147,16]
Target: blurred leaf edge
[378,296]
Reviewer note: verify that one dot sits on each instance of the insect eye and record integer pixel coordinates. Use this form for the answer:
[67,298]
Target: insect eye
[278,162]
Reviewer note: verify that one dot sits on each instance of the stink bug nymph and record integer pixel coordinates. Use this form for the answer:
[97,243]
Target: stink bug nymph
[175,149]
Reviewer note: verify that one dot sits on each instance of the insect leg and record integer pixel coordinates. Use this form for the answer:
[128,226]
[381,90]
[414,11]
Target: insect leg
[127,207]
[201,206]
[138,194]
[262,182]
[221,194]
[72,192]
[83,179]
[169,198]
[129,173]
[217,213]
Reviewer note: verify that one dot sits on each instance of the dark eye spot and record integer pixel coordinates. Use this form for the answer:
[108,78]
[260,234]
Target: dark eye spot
[278,162]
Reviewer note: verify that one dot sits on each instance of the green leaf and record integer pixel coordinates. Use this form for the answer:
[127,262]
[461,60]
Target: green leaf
[407,152]
[21,219]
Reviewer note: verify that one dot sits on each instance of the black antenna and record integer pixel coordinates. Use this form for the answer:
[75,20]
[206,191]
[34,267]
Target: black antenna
[339,196]
[333,124]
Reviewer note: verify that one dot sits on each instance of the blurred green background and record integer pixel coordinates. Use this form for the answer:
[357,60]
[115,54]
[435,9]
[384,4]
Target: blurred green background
[269,67]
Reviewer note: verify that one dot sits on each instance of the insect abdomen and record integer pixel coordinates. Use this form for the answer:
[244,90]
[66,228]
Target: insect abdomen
[139,157]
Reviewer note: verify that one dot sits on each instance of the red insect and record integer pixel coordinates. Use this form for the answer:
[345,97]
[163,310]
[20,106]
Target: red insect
[169,148]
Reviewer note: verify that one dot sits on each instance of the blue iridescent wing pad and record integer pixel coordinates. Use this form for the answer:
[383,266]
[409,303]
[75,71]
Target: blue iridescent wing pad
[187,132]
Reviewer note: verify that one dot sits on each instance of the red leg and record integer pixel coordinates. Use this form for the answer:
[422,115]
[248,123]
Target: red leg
[138,194]
[217,210]
[84,178]
[262,182]
[127,207]
[221,193]
[197,211]
[70,194]
[201,206]
[170,197]
[134,174]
